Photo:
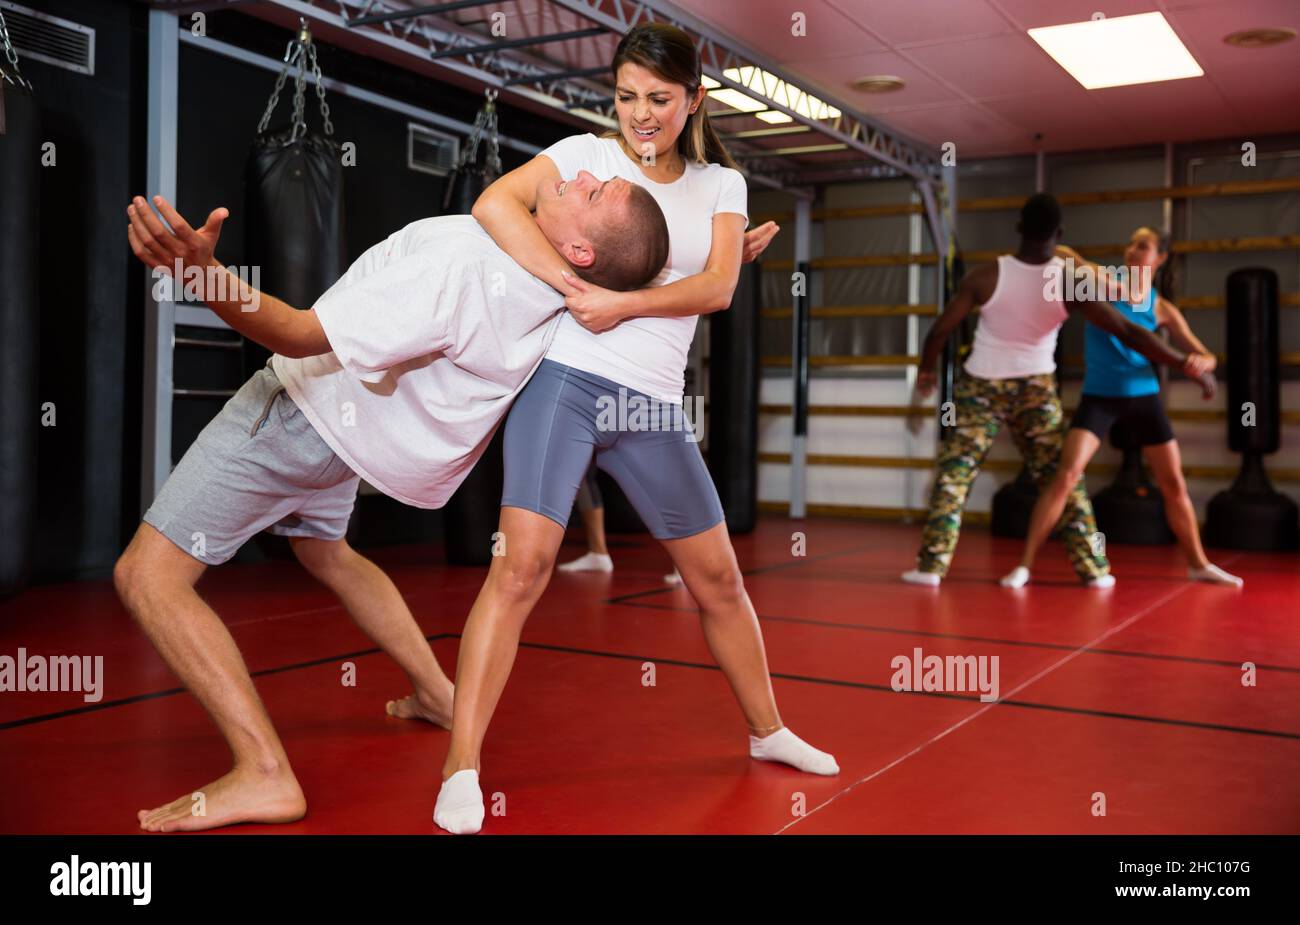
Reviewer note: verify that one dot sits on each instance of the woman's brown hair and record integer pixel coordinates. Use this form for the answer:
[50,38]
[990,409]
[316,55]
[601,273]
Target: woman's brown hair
[670,53]
[1166,277]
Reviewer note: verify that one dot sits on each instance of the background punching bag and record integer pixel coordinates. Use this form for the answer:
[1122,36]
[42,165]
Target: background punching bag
[293,197]
[20,180]
[472,513]
[1251,514]
[1131,508]
[733,401]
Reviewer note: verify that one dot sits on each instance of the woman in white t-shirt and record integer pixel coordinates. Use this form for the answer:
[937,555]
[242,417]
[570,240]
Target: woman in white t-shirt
[611,386]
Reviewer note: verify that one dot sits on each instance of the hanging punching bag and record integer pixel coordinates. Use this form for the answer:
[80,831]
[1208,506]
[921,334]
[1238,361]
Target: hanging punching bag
[733,398]
[293,186]
[1251,514]
[293,199]
[471,515]
[20,180]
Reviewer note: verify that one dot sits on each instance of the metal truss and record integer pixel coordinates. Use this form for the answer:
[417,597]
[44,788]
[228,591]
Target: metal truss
[516,65]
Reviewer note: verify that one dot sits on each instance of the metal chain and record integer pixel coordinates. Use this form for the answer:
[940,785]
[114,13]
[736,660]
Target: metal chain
[12,56]
[275,94]
[299,117]
[320,94]
[484,122]
[297,54]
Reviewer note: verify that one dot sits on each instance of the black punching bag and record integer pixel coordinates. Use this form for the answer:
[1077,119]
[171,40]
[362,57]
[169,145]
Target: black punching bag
[1251,514]
[733,401]
[294,203]
[20,180]
[293,189]
[1013,504]
[1131,509]
[471,515]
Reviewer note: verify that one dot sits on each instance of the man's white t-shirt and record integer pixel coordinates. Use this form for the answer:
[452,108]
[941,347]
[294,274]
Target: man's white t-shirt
[648,355]
[434,330]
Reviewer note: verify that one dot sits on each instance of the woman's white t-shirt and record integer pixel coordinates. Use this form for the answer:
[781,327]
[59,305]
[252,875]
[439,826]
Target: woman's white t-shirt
[648,355]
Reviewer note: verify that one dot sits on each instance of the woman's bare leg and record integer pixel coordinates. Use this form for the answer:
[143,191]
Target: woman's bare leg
[707,563]
[1080,446]
[491,638]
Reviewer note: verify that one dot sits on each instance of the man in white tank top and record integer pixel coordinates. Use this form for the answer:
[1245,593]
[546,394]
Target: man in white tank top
[1009,379]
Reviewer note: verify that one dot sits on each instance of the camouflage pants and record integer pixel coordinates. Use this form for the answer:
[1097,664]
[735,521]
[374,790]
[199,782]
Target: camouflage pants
[1031,408]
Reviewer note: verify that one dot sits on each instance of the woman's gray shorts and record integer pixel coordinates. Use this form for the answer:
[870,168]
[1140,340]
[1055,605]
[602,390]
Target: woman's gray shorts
[565,415]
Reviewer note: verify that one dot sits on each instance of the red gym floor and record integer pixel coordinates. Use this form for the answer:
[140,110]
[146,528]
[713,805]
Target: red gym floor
[1135,693]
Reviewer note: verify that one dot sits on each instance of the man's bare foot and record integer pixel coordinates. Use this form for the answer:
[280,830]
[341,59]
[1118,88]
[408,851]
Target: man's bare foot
[433,707]
[240,796]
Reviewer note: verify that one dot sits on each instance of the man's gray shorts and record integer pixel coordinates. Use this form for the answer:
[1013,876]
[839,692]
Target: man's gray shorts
[258,465]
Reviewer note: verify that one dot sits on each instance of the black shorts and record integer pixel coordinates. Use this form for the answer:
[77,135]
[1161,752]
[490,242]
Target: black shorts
[1142,416]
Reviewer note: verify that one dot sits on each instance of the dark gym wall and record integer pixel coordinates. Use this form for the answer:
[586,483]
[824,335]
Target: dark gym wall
[89,321]
[92,289]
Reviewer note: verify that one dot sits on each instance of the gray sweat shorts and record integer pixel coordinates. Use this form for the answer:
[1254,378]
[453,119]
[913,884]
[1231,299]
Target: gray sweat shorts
[258,465]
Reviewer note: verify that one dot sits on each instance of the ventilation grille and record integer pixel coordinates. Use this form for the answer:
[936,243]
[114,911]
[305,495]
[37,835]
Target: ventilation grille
[430,151]
[41,37]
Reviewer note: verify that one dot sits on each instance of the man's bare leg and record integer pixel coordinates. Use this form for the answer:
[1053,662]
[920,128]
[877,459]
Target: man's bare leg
[376,605]
[156,580]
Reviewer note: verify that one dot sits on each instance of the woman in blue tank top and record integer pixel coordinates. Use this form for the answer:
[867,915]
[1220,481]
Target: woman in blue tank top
[1120,385]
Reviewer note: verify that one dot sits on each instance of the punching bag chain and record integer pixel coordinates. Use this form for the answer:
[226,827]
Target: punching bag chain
[11,55]
[298,55]
[484,123]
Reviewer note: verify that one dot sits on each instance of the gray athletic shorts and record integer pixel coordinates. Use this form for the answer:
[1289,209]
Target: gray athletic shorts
[258,465]
[564,416]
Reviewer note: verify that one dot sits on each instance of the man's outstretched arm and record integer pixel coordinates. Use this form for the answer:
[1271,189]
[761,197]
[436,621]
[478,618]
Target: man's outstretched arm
[1145,342]
[258,316]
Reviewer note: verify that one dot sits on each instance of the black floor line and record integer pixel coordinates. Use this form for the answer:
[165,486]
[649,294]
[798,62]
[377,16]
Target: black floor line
[809,679]
[871,628]
[139,698]
[945,695]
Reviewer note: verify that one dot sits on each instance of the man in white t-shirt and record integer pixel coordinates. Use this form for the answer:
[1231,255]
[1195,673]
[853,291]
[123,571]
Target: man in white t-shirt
[399,374]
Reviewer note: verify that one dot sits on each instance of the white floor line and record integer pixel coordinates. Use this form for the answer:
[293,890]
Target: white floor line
[980,712]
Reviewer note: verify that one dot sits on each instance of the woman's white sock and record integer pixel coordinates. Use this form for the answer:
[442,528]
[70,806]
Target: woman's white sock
[787,748]
[459,809]
[1101,581]
[1018,577]
[1215,575]
[591,562]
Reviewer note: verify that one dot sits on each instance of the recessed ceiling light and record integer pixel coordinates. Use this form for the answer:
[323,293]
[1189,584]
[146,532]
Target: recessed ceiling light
[774,116]
[878,83]
[1258,38]
[1118,52]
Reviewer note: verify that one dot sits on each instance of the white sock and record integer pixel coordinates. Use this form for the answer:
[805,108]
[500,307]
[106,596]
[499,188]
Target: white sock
[459,809]
[674,579]
[786,747]
[1018,577]
[1215,575]
[1101,582]
[591,562]
[916,577]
